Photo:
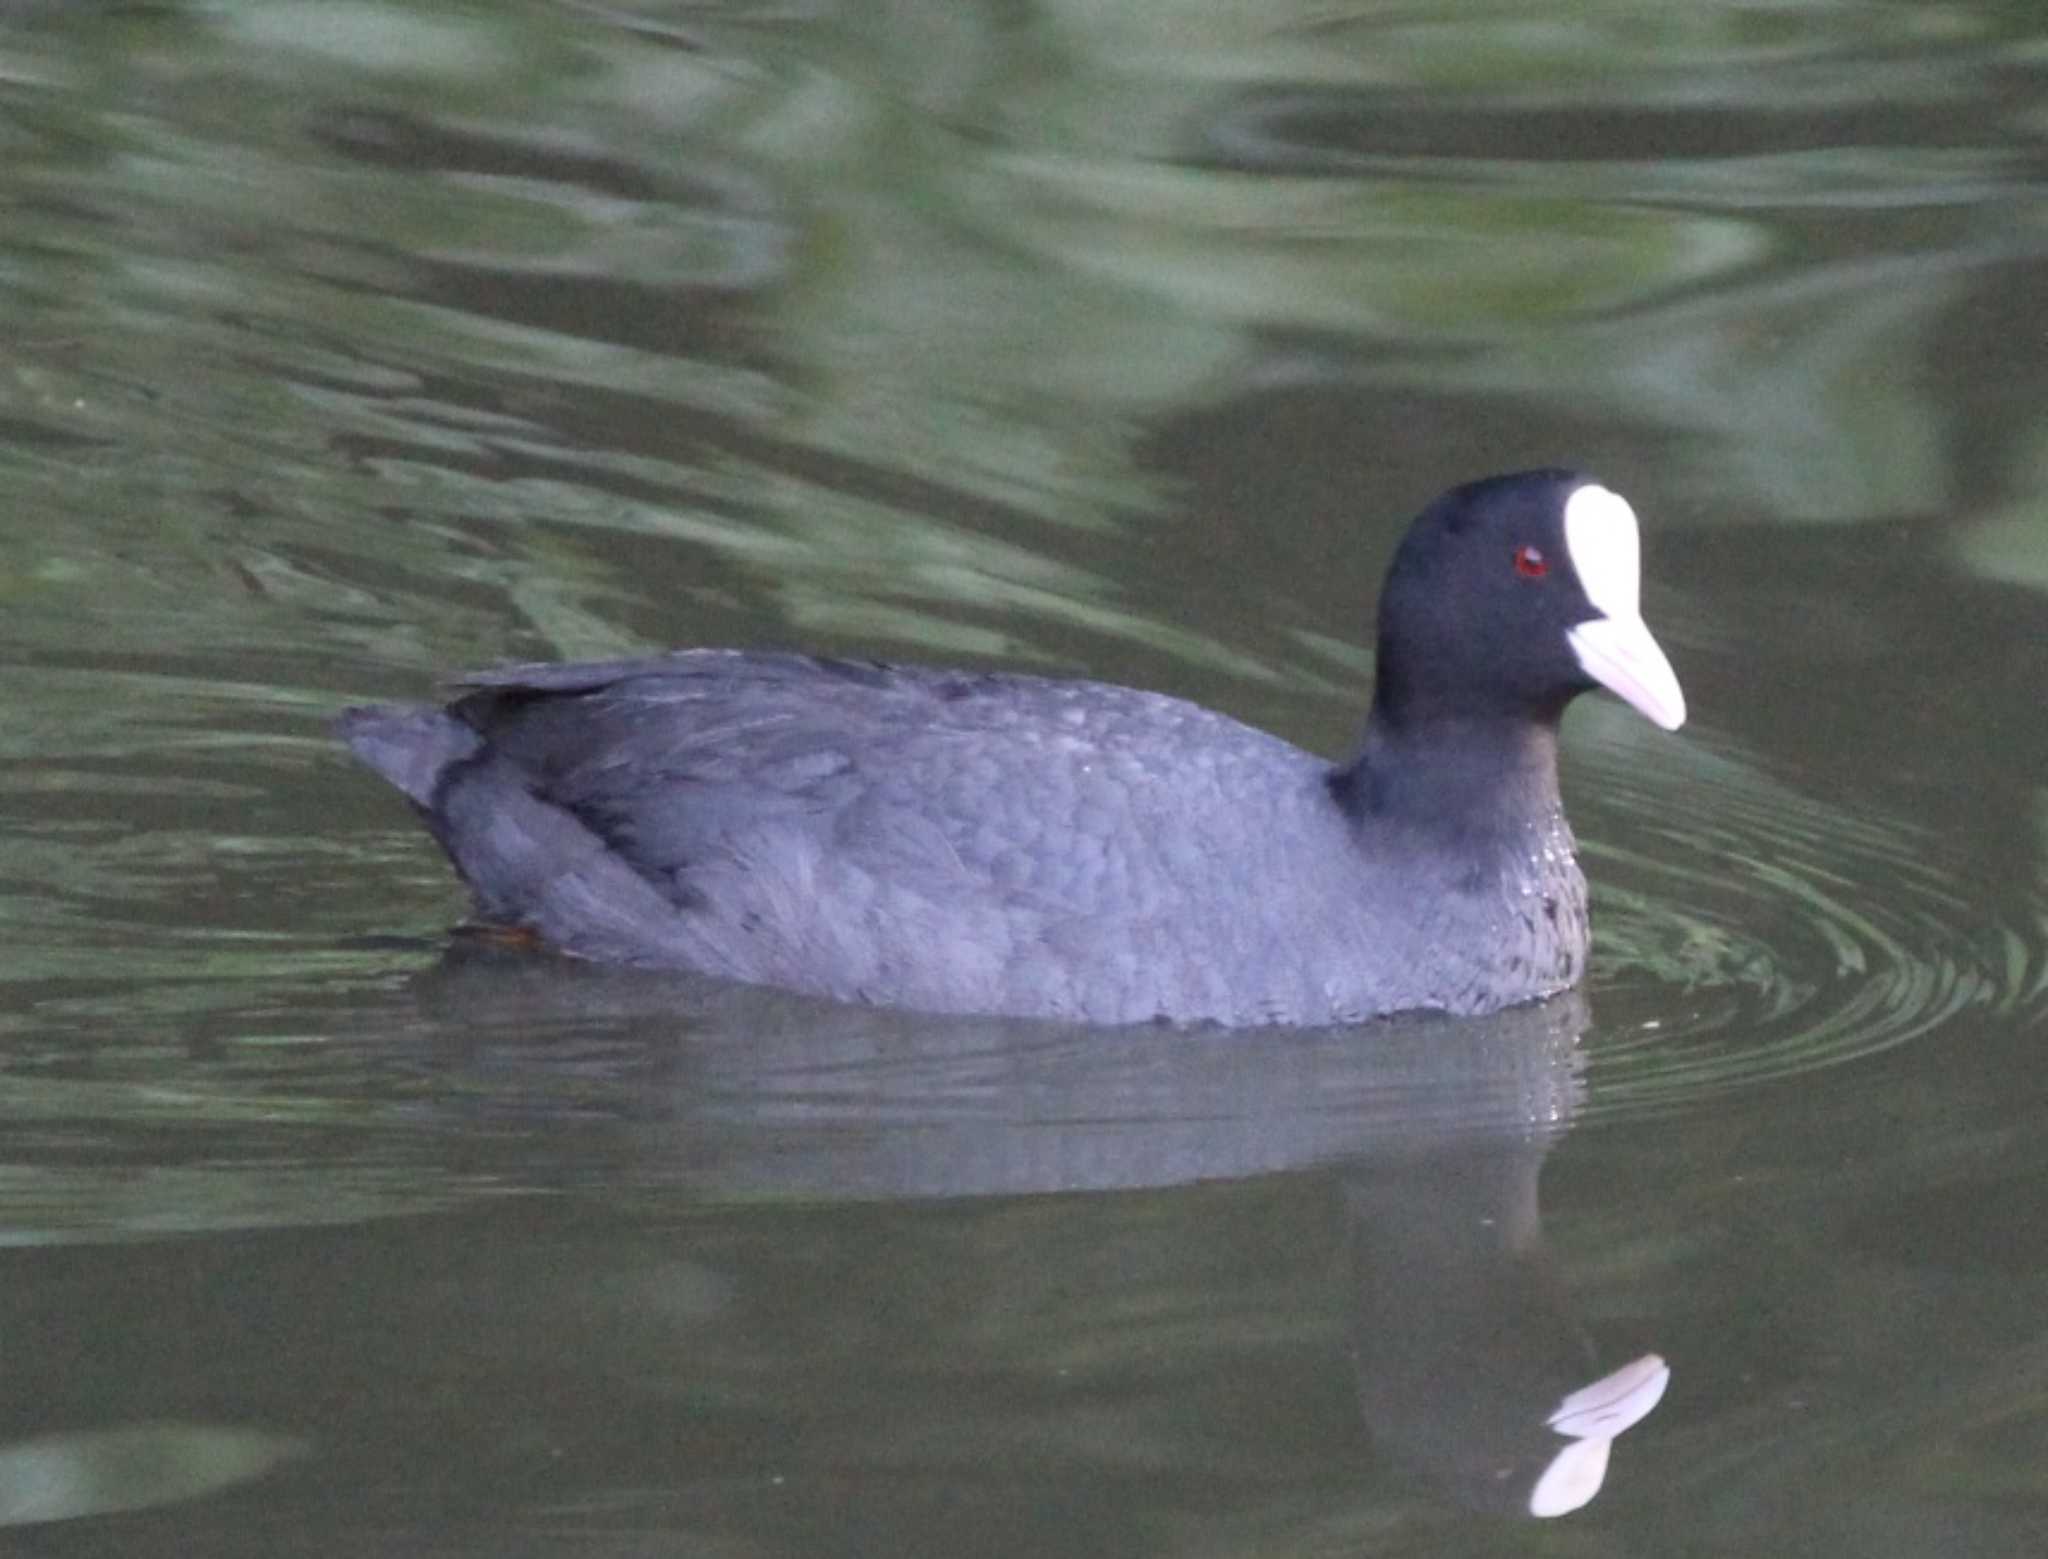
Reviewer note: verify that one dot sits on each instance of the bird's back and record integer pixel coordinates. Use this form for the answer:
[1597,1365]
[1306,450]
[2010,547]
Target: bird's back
[939,840]
[943,840]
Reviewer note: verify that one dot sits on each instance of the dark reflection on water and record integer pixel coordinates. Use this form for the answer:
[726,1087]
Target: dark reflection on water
[823,1100]
[1418,1154]
[1473,1361]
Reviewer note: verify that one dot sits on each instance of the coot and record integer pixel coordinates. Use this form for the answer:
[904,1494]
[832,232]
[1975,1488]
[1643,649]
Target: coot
[985,842]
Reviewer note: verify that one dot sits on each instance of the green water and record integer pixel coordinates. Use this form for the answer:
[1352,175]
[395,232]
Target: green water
[350,345]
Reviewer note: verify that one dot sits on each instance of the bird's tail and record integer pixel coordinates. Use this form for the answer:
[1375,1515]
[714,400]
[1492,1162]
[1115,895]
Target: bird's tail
[411,745]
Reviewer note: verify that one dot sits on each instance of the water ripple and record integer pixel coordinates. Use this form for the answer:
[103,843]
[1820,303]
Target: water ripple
[1755,933]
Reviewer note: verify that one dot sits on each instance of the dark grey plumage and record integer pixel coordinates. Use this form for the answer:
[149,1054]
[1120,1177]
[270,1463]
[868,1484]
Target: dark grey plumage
[993,843]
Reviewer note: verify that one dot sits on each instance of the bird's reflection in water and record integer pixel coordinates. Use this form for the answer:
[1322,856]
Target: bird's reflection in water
[1471,1367]
[1471,1364]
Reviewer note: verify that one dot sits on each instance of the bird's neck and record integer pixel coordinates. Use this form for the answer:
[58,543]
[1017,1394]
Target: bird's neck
[1478,780]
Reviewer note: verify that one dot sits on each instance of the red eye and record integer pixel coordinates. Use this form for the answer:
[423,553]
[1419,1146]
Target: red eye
[1530,562]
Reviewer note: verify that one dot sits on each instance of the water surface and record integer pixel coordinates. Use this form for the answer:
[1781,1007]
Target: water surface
[350,345]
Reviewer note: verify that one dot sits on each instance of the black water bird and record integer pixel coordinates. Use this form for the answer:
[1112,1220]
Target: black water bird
[974,842]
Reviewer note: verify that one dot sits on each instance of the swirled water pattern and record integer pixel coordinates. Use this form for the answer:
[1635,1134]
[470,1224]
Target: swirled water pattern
[1761,932]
